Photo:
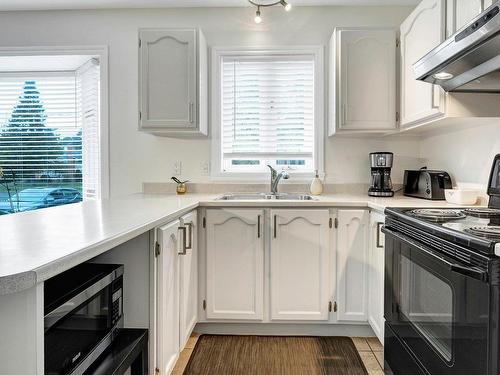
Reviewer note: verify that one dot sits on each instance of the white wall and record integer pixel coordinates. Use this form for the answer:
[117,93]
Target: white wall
[466,154]
[137,157]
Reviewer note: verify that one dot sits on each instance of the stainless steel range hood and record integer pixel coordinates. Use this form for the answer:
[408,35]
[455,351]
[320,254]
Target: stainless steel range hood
[469,61]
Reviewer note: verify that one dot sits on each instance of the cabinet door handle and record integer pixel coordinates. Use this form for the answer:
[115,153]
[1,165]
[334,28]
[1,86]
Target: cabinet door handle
[190,236]
[191,105]
[274,225]
[258,226]
[182,248]
[379,230]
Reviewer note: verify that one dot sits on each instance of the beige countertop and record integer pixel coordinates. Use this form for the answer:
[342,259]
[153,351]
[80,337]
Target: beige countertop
[37,245]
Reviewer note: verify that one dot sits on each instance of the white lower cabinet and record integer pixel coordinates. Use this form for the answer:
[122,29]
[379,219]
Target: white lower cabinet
[300,264]
[176,288]
[189,279]
[235,264]
[167,346]
[268,265]
[293,265]
[352,259]
[376,262]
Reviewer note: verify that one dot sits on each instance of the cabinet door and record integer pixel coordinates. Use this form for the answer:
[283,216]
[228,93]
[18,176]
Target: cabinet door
[367,63]
[376,276]
[168,79]
[168,298]
[461,12]
[235,264]
[188,266]
[300,265]
[352,265]
[420,33]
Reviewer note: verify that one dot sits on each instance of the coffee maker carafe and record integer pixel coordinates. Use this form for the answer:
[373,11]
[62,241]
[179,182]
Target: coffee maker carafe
[381,184]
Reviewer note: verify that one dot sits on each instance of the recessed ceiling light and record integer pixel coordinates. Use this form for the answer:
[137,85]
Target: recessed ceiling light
[443,76]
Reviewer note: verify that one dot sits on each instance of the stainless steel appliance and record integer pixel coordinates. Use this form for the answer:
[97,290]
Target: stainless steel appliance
[381,184]
[425,183]
[468,61]
[442,288]
[83,309]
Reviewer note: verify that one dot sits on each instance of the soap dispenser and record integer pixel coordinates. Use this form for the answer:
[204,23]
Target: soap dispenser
[316,185]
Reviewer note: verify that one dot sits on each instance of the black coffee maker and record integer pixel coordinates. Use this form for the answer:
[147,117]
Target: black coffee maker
[381,184]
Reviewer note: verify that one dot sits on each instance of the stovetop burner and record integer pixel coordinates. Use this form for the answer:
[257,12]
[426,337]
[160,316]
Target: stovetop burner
[488,231]
[482,212]
[436,214]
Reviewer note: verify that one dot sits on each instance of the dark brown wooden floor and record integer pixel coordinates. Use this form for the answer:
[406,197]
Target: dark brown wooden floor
[249,355]
[369,349]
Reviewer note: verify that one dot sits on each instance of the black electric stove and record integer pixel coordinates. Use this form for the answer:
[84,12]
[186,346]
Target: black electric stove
[475,228]
[442,288]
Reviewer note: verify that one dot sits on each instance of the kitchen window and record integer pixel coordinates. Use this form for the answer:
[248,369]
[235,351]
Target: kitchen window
[267,110]
[50,136]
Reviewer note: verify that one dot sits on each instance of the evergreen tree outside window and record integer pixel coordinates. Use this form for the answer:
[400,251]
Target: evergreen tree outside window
[29,147]
[40,142]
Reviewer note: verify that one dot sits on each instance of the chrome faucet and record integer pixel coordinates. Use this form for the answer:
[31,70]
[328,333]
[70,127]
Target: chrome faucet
[276,177]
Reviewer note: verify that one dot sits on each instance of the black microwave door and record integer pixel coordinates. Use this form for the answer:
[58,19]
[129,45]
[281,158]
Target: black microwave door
[69,340]
[440,314]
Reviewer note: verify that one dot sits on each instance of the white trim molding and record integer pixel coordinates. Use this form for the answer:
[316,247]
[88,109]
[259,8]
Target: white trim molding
[100,51]
[217,55]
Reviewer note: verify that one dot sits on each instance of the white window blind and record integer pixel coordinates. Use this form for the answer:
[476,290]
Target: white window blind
[50,130]
[88,93]
[39,133]
[267,112]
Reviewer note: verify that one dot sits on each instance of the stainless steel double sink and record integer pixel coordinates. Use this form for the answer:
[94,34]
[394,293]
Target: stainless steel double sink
[265,196]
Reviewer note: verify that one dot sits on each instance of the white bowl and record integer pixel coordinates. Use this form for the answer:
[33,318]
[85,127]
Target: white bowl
[461,196]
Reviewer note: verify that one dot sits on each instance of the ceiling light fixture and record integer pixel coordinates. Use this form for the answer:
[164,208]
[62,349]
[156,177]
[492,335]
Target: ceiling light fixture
[258,18]
[287,6]
[268,3]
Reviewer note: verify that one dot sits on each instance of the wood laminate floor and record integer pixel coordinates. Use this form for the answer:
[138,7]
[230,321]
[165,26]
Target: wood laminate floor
[369,350]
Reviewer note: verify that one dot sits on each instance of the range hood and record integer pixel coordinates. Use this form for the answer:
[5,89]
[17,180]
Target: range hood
[469,61]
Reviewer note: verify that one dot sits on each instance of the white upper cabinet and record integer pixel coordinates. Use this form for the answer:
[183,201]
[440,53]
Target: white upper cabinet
[420,33]
[363,81]
[422,104]
[376,262]
[461,12]
[173,82]
[235,264]
[352,261]
[300,264]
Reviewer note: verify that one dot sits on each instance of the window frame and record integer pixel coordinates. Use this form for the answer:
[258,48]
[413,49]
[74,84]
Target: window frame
[217,56]
[101,51]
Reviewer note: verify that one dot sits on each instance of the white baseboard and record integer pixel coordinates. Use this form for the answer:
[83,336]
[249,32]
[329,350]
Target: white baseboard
[280,329]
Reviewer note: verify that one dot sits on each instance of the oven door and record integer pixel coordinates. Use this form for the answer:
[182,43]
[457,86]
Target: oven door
[437,307]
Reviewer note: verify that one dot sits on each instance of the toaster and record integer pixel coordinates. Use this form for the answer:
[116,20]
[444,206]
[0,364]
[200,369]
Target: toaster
[426,184]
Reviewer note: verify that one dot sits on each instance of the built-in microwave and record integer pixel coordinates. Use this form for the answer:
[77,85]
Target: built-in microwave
[83,307]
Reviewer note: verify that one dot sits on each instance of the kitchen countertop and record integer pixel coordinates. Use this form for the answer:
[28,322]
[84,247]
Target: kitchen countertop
[37,245]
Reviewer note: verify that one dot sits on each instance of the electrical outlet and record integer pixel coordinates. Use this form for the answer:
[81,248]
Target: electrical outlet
[177,168]
[205,168]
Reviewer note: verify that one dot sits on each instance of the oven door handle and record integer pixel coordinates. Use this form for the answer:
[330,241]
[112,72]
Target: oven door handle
[454,267]
[468,271]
